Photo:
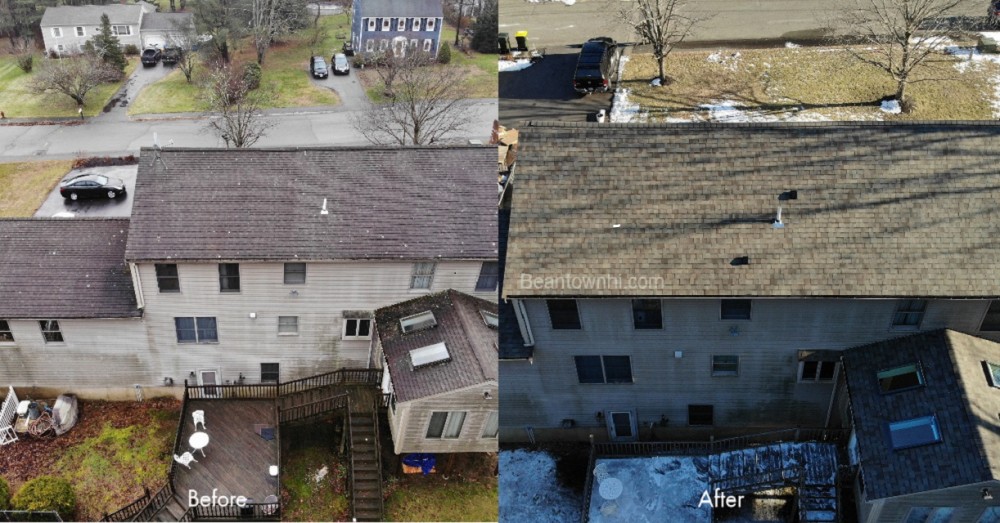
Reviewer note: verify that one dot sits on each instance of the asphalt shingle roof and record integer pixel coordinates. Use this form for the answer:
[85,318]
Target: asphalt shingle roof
[955,390]
[429,8]
[882,210]
[65,268]
[166,21]
[405,203]
[90,15]
[470,343]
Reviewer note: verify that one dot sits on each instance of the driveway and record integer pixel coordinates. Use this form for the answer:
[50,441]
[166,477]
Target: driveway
[142,77]
[99,208]
[544,91]
[348,88]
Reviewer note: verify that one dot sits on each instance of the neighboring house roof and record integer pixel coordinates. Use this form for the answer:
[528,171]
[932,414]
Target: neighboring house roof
[955,390]
[167,21]
[471,344]
[407,203]
[90,15]
[429,8]
[511,343]
[883,210]
[57,268]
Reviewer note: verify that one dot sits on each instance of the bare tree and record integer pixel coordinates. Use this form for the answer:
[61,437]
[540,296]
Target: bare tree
[658,23]
[184,38]
[74,76]
[424,105]
[236,110]
[897,36]
[263,19]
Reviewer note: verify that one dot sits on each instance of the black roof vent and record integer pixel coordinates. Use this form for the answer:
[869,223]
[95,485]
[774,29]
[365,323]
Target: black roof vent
[788,195]
[742,260]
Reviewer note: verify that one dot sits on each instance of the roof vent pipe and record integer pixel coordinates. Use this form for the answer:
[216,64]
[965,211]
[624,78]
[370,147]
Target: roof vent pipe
[777,223]
[324,211]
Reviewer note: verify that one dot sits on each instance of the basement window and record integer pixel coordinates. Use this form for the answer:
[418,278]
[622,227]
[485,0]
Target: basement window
[900,378]
[915,432]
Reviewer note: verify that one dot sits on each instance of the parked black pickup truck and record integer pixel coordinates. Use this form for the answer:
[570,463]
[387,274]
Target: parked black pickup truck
[171,55]
[593,68]
[151,57]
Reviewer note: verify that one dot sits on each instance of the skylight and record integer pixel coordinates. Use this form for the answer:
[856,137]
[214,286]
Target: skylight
[914,432]
[417,322]
[993,372]
[490,319]
[900,378]
[429,355]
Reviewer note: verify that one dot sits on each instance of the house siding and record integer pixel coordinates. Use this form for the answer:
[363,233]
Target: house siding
[71,42]
[244,343]
[966,499]
[766,393]
[95,353]
[361,34]
[410,420]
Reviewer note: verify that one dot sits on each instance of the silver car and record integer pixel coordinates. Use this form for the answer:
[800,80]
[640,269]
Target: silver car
[340,64]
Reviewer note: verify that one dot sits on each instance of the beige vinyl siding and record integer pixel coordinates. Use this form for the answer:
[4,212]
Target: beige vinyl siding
[410,421]
[966,499]
[95,353]
[70,41]
[244,343]
[765,394]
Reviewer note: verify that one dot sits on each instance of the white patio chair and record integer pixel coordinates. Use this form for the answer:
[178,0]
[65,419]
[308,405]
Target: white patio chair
[199,417]
[185,459]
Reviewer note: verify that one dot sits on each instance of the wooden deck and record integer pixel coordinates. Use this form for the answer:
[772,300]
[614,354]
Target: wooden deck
[236,459]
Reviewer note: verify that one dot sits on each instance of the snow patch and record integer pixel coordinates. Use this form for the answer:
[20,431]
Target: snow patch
[653,488]
[729,60]
[791,45]
[656,82]
[971,57]
[623,110]
[321,474]
[569,2]
[891,107]
[516,65]
[530,491]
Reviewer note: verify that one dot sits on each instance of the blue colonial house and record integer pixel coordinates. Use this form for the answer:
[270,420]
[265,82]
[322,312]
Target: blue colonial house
[400,25]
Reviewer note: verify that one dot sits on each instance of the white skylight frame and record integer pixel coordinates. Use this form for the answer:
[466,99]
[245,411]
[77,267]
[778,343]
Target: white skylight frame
[418,322]
[429,355]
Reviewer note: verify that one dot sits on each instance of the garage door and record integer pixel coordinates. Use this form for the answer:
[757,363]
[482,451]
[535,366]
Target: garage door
[153,41]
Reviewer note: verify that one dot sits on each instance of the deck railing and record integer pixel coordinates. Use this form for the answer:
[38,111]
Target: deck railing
[350,468]
[156,502]
[128,512]
[588,486]
[695,448]
[314,408]
[384,401]
[250,511]
[29,515]
[254,391]
[749,483]
[378,456]
[343,376]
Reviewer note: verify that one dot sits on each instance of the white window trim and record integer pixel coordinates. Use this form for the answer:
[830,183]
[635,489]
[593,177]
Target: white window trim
[447,418]
[431,24]
[819,371]
[296,333]
[413,43]
[486,421]
[197,338]
[369,45]
[387,24]
[343,330]
[57,330]
[383,44]
[9,330]
[401,24]
[427,44]
[416,24]
[725,374]
[116,32]
[414,275]
[57,32]
[371,24]
[81,31]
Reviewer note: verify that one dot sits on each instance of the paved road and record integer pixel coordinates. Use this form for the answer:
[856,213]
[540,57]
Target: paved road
[102,208]
[544,91]
[556,24]
[293,128]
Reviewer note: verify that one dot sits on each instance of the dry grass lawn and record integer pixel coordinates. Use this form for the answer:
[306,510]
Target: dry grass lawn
[25,185]
[829,83]
[17,100]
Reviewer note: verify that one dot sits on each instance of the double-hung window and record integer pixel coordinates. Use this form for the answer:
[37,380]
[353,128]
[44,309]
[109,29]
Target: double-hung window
[488,277]
[50,331]
[735,309]
[229,277]
[288,325]
[647,314]
[445,425]
[563,314]
[422,275]
[909,314]
[357,329]
[295,273]
[725,365]
[167,278]
[6,335]
[196,330]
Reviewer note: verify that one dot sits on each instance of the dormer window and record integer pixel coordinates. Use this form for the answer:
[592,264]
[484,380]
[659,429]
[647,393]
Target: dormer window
[900,378]
[418,322]
[401,24]
[371,24]
[385,24]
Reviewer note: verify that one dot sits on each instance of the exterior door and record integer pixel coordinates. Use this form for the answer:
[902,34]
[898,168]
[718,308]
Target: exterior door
[399,46]
[208,379]
[622,425]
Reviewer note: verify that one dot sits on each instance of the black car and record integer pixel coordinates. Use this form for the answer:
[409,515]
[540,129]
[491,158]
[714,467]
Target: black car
[151,57]
[171,55]
[89,185]
[317,66]
[593,68]
[348,49]
[340,64]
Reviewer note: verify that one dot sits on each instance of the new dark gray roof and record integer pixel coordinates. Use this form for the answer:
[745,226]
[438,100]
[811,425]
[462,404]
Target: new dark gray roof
[90,15]
[956,391]
[511,342]
[429,8]
[53,268]
[264,204]
[470,343]
[882,210]
[166,21]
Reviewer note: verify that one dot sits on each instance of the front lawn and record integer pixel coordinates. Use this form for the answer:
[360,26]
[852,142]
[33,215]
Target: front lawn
[286,73]
[307,493]
[18,101]
[116,450]
[816,83]
[25,185]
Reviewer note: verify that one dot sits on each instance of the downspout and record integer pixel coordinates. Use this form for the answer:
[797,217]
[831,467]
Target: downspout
[833,395]
[137,284]
[523,324]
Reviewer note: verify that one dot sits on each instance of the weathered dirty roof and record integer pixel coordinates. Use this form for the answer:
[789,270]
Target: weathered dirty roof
[167,21]
[90,15]
[53,268]
[427,8]
[881,210]
[405,203]
[955,390]
[471,344]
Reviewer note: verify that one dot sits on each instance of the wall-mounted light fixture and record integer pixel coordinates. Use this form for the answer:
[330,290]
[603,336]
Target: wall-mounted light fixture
[487,395]
[253,315]
[168,381]
[987,495]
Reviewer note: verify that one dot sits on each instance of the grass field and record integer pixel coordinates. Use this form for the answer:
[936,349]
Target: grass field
[25,185]
[828,82]
[304,498]
[286,74]
[434,498]
[18,101]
